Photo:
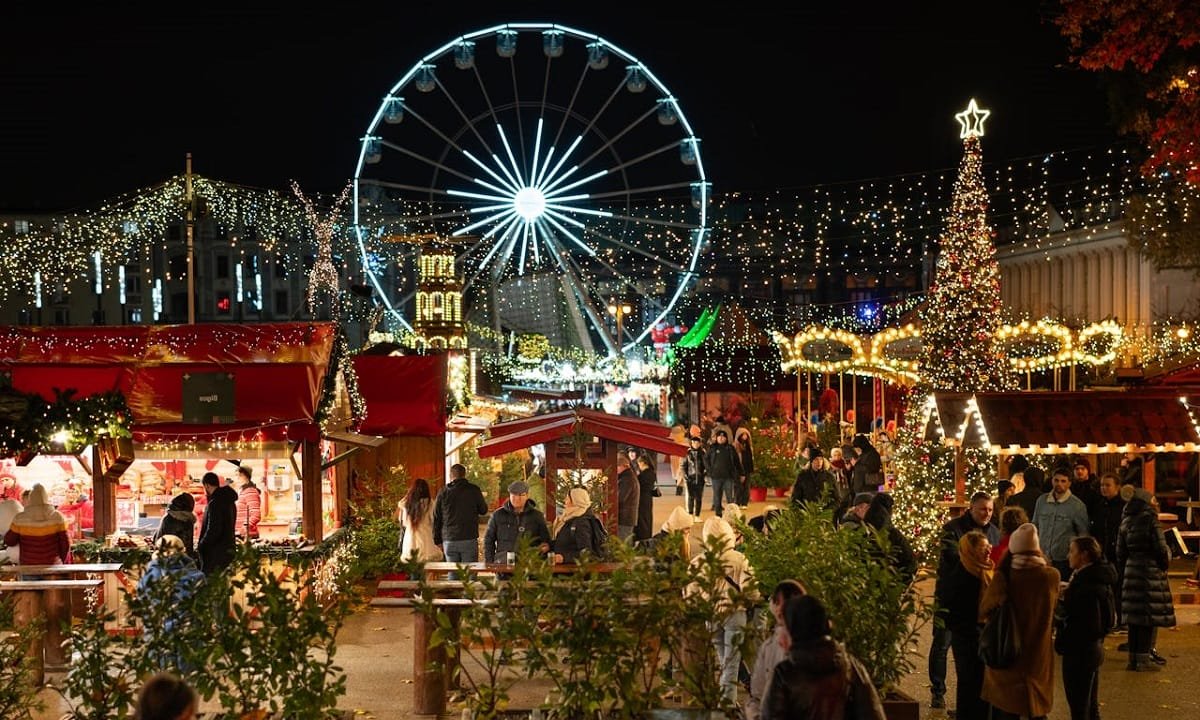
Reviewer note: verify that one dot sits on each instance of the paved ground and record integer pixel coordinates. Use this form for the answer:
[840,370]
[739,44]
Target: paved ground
[375,648]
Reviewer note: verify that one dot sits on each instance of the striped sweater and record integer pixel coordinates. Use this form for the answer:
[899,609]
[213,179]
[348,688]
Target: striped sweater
[40,531]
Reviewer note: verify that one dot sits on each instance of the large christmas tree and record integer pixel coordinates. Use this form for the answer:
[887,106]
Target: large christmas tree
[960,352]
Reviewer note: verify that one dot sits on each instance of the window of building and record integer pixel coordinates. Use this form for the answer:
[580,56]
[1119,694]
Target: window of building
[133,280]
[134,315]
[177,266]
[282,307]
[179,306]
[222,267]
[62,316]
[21,227]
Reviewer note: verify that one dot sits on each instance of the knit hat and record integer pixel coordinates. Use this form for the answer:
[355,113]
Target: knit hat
[863,498]
[679,519]
[722,433]
[815,453]
[1024,539]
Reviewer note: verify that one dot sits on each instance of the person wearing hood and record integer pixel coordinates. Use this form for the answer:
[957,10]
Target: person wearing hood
[1060,516]
[577,530]
[1085,614]
[819,677]
[1025,688]
[40,531]
[900,553]
[217,540]
[518,517]
[1146,602]
[679,522]
[171,568]
[729,619]
[867,473]
[180,520]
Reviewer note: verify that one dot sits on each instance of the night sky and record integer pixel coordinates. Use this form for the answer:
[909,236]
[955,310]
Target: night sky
[106,98]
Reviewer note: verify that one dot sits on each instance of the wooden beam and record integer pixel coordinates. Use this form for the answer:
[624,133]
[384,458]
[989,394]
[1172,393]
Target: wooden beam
[310,491]
[104,500]
[338,458]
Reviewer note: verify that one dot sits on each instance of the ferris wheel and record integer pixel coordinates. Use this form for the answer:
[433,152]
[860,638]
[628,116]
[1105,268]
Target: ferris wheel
[558,168]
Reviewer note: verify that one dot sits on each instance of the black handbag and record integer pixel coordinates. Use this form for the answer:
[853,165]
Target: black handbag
[1000,639]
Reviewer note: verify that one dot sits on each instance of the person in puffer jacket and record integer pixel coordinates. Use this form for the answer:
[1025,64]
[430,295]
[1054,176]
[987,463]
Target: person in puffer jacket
[180,521]
[40,531]
[249,505]
[1146,603]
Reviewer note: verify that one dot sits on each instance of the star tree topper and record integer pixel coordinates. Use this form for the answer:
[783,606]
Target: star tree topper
[971,120]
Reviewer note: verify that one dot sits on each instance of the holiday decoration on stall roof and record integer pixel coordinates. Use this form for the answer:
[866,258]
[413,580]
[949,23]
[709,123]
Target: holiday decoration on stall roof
[29,425]
[323,278]
[960,321]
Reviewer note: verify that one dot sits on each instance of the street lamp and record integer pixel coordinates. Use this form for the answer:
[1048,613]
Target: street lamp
[619,310]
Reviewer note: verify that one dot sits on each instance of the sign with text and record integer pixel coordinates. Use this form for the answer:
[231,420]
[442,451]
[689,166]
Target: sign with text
[208,398]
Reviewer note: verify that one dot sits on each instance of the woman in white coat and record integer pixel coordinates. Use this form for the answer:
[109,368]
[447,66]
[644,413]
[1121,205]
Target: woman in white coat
[416,524]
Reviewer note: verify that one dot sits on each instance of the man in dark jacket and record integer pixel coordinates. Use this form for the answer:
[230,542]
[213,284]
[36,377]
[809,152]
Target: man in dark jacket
[977,517]
[814,480]
[900,554]
[518,517]
[1085,485]
[1026,498]
[1105,521]
[695,472]
[217,542]
[867,474]
[724,468]
[643,529]
[456,517]
[628,495]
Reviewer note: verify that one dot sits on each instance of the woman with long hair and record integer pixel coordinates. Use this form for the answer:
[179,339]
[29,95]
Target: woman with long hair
[966,584]
[744,448]
[1026,688]
[416,524]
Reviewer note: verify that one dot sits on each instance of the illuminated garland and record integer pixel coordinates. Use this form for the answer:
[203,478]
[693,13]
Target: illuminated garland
[323,278]
[30,425]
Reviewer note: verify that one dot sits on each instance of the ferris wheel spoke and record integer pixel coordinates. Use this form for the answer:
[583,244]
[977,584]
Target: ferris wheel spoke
[631,284]
[450,142]
[643,157]
[562,124]
[428,161]
[547,191]
[631,248]
[537,147]
[624,131]
[654,221]
[581,295]
[525,232]
[574,208]
[506,183]
[448,215]
[563,159]
[645,190]
[587,248]
[483,264]
[464,230]
[580,272]
[517,105]
[537,180]
[478,196]
[474,130]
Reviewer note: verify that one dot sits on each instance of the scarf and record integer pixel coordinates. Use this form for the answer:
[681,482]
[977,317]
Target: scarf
[1031,559]
[971,562]
[581,502]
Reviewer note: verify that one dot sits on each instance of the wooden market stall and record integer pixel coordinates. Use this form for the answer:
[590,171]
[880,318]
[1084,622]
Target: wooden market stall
[207,391]
[583,439]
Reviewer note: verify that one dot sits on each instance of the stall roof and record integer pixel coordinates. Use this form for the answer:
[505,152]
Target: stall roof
[1070,422]
[277,369]
[404,394]
[517,434]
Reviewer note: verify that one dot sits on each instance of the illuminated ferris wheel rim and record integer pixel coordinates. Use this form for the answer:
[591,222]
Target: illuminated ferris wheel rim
[541,197]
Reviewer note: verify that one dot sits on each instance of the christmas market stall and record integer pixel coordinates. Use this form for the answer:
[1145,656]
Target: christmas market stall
[128,417]
[582,445]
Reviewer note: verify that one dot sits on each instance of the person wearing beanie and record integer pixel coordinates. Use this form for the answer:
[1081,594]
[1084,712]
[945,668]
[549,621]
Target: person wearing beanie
[1025,688]
[978,516]
[695,474]
[180,520]
[724,468]
[815,480]
[1084,483]
[1146,602]
[1060,516]
[577,531]
[217,541]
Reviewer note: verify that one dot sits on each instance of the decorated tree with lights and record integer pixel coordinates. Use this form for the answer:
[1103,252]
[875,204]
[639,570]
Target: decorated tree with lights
[961,352]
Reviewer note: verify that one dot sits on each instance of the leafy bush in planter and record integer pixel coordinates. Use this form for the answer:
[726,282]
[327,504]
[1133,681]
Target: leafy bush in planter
[874,611]
[18,695]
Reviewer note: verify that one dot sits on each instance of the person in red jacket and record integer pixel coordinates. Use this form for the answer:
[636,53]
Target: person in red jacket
[249,505]
[78,506]
[40,531]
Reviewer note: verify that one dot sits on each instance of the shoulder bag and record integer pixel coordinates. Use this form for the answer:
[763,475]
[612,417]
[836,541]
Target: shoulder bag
[1000,639]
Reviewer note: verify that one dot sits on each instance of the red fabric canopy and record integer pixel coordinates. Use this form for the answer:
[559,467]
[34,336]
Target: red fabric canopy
[405,394]
[278,370]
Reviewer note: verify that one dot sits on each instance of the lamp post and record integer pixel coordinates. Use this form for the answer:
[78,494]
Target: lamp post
[619,310]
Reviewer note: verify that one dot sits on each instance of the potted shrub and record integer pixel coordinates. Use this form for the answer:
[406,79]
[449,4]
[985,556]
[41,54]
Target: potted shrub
[873,609]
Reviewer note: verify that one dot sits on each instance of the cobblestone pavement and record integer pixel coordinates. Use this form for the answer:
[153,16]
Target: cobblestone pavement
[375,649]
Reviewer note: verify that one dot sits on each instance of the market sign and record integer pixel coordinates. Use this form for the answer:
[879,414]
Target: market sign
[208,398]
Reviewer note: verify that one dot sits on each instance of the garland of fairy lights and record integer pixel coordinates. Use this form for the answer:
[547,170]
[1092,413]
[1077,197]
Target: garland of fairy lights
[31,425]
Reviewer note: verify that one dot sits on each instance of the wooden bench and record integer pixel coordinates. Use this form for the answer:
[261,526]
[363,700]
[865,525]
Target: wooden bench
[48,601]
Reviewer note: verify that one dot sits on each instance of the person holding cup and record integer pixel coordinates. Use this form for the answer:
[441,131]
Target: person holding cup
[516,517]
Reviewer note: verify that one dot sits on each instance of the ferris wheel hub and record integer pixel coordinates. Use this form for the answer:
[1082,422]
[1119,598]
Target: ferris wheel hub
[529,203]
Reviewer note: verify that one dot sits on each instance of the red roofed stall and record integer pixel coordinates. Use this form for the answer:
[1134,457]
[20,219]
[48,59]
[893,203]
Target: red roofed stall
[600,433]
[274,373]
